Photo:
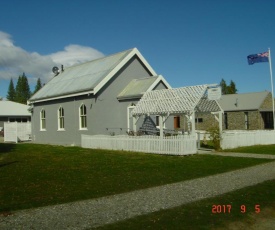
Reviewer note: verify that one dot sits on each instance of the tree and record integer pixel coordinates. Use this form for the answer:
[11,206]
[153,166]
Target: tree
[18,91]
[11,91]
[232,88]
[38,86]
[228,89]
[26,89]
[223,86]
[22,90]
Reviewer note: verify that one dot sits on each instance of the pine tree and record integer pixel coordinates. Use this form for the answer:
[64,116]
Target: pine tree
[232,88]
[18,91]
[228,89]
[38,86]
[11,91]
[223,86]
[26,89]
[22,90]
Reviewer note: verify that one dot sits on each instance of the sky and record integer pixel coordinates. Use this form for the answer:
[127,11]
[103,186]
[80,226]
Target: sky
[187,42]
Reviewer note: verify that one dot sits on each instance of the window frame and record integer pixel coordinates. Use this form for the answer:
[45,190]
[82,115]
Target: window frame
[61,119]
[83,117]
[43,120]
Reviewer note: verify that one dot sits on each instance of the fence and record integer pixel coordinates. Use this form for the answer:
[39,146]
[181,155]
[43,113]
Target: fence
[14,132]
[174,145]
[234,139]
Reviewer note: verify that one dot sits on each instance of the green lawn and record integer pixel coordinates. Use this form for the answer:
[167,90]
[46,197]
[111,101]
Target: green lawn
[37,175]
[259,149]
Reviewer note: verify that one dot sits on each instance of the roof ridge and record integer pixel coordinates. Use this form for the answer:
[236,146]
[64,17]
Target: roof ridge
[144,78]
[246,93]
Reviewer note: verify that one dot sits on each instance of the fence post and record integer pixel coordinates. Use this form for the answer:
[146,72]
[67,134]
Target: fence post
[198,140]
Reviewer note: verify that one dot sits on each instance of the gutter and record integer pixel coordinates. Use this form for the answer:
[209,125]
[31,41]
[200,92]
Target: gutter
[60,97]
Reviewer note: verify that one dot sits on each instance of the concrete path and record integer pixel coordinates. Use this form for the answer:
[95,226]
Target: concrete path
[106,210]
[248,155]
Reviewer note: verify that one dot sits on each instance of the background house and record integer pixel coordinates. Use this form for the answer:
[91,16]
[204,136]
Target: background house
[11,111]
[92,98]
[248,111]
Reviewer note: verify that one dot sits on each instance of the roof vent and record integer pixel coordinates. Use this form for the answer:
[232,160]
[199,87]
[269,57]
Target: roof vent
[236,104]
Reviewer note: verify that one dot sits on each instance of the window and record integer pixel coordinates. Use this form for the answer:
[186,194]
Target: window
[225,120]
[268,120]
[83,117]
[246,121]
[199,120]
[18,119]
[43,120]
[158,122]
[61,119]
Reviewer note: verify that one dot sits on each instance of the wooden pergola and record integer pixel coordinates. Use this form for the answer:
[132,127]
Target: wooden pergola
[178,101]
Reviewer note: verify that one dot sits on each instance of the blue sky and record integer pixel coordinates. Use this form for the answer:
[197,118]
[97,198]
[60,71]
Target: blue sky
[188,42]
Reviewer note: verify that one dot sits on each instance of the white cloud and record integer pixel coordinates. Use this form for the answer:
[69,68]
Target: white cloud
[75,54]
[14,60]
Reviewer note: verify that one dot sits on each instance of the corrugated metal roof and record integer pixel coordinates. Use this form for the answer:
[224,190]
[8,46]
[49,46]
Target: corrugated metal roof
[80,78]
[136,87]
[240,102]
[10,108]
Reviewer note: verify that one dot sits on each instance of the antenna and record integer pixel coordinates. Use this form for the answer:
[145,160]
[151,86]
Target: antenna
[55,70]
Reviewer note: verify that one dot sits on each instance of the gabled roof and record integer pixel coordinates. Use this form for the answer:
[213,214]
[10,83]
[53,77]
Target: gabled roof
[88,77]
[244,101]
[183,100]
[137,87]
[10,108]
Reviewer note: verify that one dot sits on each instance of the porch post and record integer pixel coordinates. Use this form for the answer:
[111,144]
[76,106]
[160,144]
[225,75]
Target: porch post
[218,119]
[135,124]
[193,122]
[161,126]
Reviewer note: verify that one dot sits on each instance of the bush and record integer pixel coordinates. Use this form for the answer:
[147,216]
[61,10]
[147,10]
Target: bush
[215,137]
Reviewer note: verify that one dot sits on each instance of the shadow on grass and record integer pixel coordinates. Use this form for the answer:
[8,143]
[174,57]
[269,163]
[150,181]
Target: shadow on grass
[8,163]
[6,147]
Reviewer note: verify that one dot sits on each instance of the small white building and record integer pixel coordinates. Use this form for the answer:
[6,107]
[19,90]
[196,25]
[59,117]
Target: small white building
[12,111]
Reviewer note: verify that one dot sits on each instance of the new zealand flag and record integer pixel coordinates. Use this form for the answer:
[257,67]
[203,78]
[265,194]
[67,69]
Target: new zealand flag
[255,58]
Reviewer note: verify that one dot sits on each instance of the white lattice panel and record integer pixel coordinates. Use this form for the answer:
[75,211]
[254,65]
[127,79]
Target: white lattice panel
[175,101]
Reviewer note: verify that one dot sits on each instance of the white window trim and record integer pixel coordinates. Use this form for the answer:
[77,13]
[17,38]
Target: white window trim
[58,119]
[79,111]
[42,129]
[129,116]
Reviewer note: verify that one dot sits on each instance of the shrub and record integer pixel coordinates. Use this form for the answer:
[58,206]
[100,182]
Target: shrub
[215,137]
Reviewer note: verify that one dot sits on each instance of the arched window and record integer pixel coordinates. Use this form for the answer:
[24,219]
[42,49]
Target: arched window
[82,117]
[43,120]
[61,125]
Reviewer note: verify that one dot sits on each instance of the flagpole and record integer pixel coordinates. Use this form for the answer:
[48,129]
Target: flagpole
[270,67]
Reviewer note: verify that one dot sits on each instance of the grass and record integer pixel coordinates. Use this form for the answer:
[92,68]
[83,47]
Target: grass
[198,215]
[39,175]
[259,149]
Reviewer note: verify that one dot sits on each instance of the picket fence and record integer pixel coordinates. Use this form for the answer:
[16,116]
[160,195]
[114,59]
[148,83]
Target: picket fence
[234,139]
[173,145]
[14,131]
